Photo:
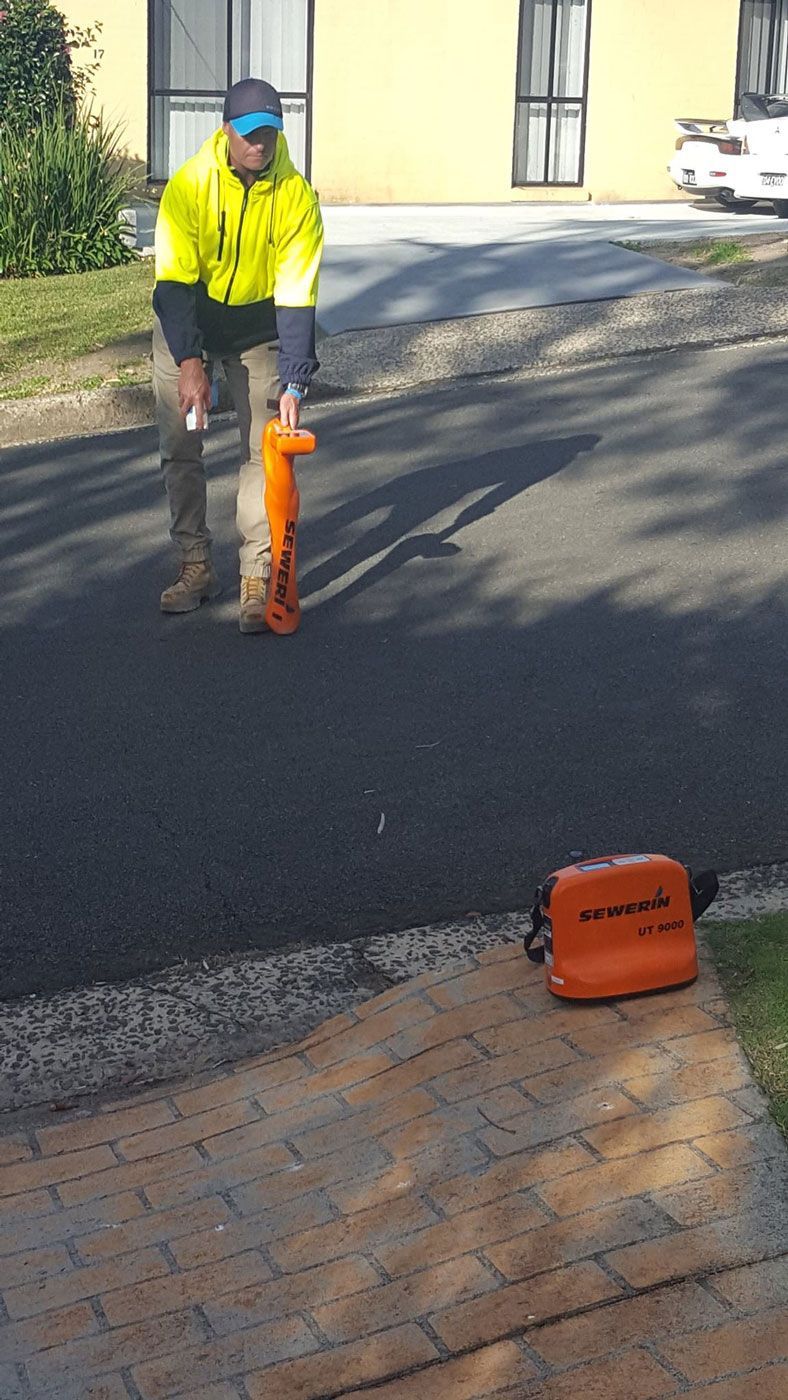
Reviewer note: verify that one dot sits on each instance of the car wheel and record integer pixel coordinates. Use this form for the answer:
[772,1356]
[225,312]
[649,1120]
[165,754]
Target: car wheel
[781,208]
[728,200]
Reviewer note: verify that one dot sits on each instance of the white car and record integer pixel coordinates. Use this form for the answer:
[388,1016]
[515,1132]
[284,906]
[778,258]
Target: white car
[737,162]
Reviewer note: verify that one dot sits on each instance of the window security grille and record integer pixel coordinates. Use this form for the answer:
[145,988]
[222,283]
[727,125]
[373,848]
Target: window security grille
[763,47]
[552,91]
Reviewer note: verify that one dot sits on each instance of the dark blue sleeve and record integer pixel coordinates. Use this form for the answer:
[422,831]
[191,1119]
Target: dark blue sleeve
[175,304]
[298,360]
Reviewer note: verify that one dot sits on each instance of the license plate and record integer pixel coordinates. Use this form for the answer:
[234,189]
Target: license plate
[773,179]
[688,177]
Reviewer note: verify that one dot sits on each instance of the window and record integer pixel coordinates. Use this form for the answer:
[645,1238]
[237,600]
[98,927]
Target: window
[199,48]
[763,47]
[552,89]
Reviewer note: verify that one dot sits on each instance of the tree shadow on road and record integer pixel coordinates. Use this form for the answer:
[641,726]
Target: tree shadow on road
[410,500]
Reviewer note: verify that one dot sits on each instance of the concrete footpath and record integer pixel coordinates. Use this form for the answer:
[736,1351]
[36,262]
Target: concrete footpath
[463,1188]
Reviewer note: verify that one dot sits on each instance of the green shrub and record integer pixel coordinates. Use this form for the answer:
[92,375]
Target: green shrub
[61,187]
[36,77]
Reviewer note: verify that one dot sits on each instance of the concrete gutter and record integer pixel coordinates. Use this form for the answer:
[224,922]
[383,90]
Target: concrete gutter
[54,416]
[401,357]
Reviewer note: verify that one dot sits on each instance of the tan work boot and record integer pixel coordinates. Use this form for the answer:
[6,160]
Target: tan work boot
[195,584]
[254,596]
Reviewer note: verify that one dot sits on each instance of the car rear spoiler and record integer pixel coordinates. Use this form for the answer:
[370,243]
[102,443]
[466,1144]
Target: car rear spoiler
[701,126]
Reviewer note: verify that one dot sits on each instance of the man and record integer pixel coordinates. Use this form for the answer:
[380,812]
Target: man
[238,245]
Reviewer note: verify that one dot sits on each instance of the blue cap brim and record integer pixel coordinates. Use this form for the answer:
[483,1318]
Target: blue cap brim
[254,120]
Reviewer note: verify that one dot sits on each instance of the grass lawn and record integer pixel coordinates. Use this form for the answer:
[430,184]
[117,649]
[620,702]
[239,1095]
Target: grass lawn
[76,332]
[752,961]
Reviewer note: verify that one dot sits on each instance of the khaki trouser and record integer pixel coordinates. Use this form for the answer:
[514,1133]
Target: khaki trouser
[253,381]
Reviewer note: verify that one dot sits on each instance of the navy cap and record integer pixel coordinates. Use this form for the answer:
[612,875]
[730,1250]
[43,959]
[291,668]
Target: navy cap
[251,104]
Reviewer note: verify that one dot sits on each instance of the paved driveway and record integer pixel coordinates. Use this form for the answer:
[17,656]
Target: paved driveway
[388,266]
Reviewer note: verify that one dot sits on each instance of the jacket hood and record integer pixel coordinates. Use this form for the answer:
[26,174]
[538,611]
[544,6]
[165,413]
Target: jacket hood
[215,151]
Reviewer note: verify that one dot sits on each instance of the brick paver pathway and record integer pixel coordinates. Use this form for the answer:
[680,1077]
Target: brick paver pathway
[465,1189]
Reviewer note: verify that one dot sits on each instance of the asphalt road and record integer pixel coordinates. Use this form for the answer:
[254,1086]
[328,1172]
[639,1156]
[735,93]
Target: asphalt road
[539,617]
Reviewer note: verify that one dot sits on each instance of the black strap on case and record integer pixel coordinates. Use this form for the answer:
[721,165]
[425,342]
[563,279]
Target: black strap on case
[703,889]
[535,955]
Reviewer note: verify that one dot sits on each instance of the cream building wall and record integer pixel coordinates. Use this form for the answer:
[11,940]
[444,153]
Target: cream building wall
[414,100]
[651,61]
[121,83]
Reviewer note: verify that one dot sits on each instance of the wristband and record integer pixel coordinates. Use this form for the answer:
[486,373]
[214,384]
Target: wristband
[299,391]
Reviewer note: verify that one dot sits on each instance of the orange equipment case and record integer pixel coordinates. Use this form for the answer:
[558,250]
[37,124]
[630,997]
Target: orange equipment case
[619,925]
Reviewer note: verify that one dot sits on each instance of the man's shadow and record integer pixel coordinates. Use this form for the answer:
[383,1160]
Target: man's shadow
[413,499]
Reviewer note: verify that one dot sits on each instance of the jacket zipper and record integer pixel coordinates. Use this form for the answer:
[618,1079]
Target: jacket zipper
[219,214]
[237,247]
[271,218]
[222,231]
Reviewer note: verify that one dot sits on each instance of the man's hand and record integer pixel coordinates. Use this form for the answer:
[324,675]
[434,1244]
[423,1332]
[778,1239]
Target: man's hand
[289,410]
[194,390]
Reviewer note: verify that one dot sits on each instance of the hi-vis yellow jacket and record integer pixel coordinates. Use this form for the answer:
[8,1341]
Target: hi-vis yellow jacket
[238,266]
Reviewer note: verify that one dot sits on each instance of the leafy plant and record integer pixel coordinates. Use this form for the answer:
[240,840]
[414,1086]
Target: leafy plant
[36,77]
[62,185]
